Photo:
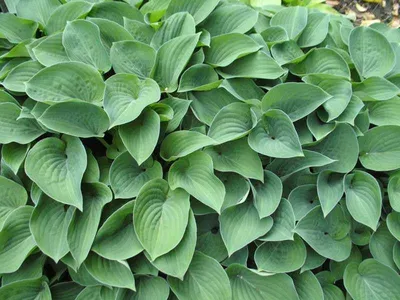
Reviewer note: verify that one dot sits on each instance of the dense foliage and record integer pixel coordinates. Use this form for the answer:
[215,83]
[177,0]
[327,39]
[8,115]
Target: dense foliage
[207,150]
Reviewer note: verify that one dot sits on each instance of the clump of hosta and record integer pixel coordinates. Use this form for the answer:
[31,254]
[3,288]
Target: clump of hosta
[208,150]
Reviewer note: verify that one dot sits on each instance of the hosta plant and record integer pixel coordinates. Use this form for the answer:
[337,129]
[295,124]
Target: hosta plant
[208,150]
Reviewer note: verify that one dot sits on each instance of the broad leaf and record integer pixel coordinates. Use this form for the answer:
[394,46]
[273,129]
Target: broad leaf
[163,209]
[380,148]
[76,118]
[171,59]
[57,167]
[206,277]
[370,59]
[240,224]
[363,198]
[127,177]
[49,226]
[140,136]
[83,226]
[194,173]
[16,239]
[371,280]
[78,81]
[247,284]
[110,272]
[126,96]
[237,157]
[297,100]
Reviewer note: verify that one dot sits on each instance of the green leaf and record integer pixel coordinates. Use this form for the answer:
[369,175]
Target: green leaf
[16,79]
[65,290]
[180,108]
[327,236]
[126,96]
[51,50]
[274,34]
[194,173]
[127,177]
[370,59]
[381,246]
[39,11]
[230,18]
[22,131]
[57,167]
[286,52]
[303,199]
[205,277]
[116,239]
[384,112]
[76,118]
[307,286]
[146,288]
[297,100]
[363,198]
[115,11]
[81,40]
[178,24]
[163,209]
[68,12]
[340,90]
[49,226]
[232,122]
[393,190]
[371,280]
[132,57]
[111,32]
[340,145]
[240,225]
[171,59]
[292,19]
[32,289]
[375,89]
[140,136]
[199,77]
[12,196]
[206,105]
[199,10]
[13,155]
[140,31]
[78,81]
[225,49]
[330,187]
[237,157]
[176,262]
[267,194]
[284,223]
[184,142]
[275,136]
[32,268]
[281,257]
[380,148]
[315,31]
[248,284]
[256,65]
[237,189]
[110,272]
[83,226]
[337,268]
[286,167]
[15,29]
[16,239]
[322,61]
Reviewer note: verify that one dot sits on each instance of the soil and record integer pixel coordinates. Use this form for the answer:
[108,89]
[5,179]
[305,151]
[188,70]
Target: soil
[369,11]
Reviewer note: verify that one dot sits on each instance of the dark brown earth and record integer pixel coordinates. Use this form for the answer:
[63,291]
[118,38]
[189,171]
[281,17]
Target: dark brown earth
[369,11]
